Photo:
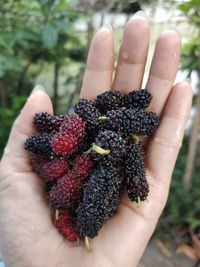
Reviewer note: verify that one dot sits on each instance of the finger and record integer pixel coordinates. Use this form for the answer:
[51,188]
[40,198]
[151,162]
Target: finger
[98,74]
[165,145]
[163,69]
[132,55]
[15,156]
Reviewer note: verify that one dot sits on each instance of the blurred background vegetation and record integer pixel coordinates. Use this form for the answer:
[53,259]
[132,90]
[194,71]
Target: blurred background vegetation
[46,41]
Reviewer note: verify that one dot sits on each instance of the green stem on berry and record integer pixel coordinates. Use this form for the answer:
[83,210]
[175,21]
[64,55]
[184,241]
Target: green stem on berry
[135,138]
[100,150]
[57,214]
[102,118]
[138,203]
[88,243]
[87,152]
[51,157]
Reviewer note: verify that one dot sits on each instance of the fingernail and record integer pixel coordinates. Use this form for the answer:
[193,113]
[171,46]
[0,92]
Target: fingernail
[140,13]
[37,88]
[106,26]
[172,30]
[188,80]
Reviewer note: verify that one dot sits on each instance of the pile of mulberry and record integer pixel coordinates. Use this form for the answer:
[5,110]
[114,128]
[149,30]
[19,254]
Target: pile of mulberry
[87,160]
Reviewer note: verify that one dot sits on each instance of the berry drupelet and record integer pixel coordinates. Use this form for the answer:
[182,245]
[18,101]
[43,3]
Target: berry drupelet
[108,101]
[134,160]
[64,194]
[100,201]
[64,144]
[67,190]
[135,173]
[86,109]
[47,123]
[137,99]
[48,169]
[63,222]
[83,165]
[131,121]
[109,146]
[84,105]
[39,144]
[137,189]
[70,135]
[74,126]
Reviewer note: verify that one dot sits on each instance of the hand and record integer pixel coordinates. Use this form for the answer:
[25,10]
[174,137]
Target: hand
[27,236]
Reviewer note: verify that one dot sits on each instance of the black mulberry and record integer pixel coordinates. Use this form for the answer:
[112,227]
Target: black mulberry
[100,201]
[47,123]
[137,189]
[39,144]
[134,160]
[108,101]
[137,99]
[131,121]
[135,173]
[86,109]
[111,142]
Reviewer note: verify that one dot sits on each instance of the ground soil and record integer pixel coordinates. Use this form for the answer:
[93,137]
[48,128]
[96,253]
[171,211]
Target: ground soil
[159,255]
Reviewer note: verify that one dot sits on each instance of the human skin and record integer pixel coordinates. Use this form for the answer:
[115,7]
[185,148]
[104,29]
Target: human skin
[27,235]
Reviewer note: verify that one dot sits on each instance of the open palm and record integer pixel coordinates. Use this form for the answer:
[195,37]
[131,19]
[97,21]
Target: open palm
[27,235]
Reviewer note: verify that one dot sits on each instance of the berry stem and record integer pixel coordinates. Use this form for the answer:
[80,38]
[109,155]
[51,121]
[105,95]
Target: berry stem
[138,203]
[57,214]
[135,138]
[87,152]
[102,118]
[100,150]
[88,243]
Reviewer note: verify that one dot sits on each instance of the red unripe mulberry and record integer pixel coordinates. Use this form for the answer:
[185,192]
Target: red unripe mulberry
[49,170]
[74,126]
[64,225]
[67,191]
[63,144]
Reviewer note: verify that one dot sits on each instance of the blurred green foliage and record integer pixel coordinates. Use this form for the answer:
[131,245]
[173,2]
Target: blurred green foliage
[183,207]
[191,50]
[33,33]
[7,116]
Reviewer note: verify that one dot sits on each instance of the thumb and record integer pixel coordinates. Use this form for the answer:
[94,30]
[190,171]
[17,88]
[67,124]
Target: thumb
[15,156]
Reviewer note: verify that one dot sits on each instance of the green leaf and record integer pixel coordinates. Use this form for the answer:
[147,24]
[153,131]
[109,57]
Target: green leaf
[49,36]
[190,5]
[9,63]
[185,7]
[62,25]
